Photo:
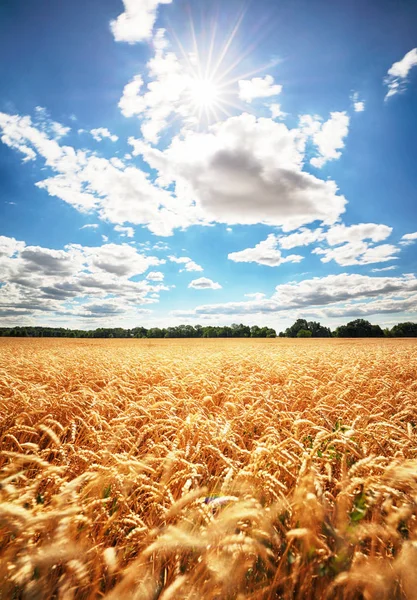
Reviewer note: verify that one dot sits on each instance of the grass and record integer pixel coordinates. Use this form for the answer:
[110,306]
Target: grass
[218,469]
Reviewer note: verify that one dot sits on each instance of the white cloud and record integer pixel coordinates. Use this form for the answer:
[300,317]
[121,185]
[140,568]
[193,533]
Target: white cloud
[118,193]
[358,253]
[396,79]
[276,112]
[265,253]
[155,276]
[160,246]
[408,239]
[203,283]
[240,160]
[380,270]
[131,103]
[329,139]
[120,259]
[303,237]
[136,23]
[258,87]
[73,282]
[189,264]
[255,295]
[125,231]
[340,233]
[9,246]
[342,287]
[101,133]
[358,105]
[338,295]
[168,94]
[90,226]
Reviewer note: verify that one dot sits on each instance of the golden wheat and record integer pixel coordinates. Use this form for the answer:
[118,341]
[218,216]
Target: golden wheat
[218,469]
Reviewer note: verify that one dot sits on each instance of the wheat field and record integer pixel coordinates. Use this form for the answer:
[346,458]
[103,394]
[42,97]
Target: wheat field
[218,469]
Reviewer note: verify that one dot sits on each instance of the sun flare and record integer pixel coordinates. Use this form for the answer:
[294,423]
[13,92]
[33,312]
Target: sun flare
[204,93]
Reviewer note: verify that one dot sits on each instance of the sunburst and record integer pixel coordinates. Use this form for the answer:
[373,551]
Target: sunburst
[212,75]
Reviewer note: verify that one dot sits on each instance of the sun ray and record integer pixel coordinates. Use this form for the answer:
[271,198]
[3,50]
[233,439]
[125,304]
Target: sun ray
[229,42]
[210,76]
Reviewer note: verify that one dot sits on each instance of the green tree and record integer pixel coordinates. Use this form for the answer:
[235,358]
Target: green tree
[304,333]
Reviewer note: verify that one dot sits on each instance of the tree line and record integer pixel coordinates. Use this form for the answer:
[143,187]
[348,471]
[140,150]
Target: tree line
[300,329]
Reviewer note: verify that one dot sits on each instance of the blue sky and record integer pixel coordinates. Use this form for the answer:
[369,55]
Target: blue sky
[207,162]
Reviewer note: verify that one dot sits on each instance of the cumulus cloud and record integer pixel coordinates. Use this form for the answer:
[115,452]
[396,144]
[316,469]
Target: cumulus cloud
[258,87]
[396,79]
[329,138]
[203,283]
[102,133]
[335,295]
[358,253]
[340,233]
[168,94]
[118,193]
[155,276]
[276,112]
[265,253]
[239,160]
[9,246]
[189,264]
[303,237]
[125,231]
[358,105]
[37,280]
[136,23]
[408,239]
[131,103]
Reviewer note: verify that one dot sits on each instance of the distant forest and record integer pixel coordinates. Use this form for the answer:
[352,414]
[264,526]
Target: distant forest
[359,328]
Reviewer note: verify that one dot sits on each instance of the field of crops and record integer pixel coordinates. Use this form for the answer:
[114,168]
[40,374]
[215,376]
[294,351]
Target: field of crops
[218,469]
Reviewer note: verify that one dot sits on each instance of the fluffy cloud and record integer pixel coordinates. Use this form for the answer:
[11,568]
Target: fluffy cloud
[102,133]
[258,87]
[303,237]
[74,282]
[189,264]
[342,287]
[358,105]
[265,253]
[169,93]
[329,138]
[90,226]
[88,182]
[334,295]
[408,239]
[136,23]
[121,260]
[276,112]
[396,78]
[338,234]
[358,253]
[216,176]
[203,283]
[9,246]
[125,231]
[131,103]
[155,276]
[245,170]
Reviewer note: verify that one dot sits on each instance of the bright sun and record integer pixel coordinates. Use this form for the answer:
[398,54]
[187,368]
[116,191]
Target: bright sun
[204,93]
